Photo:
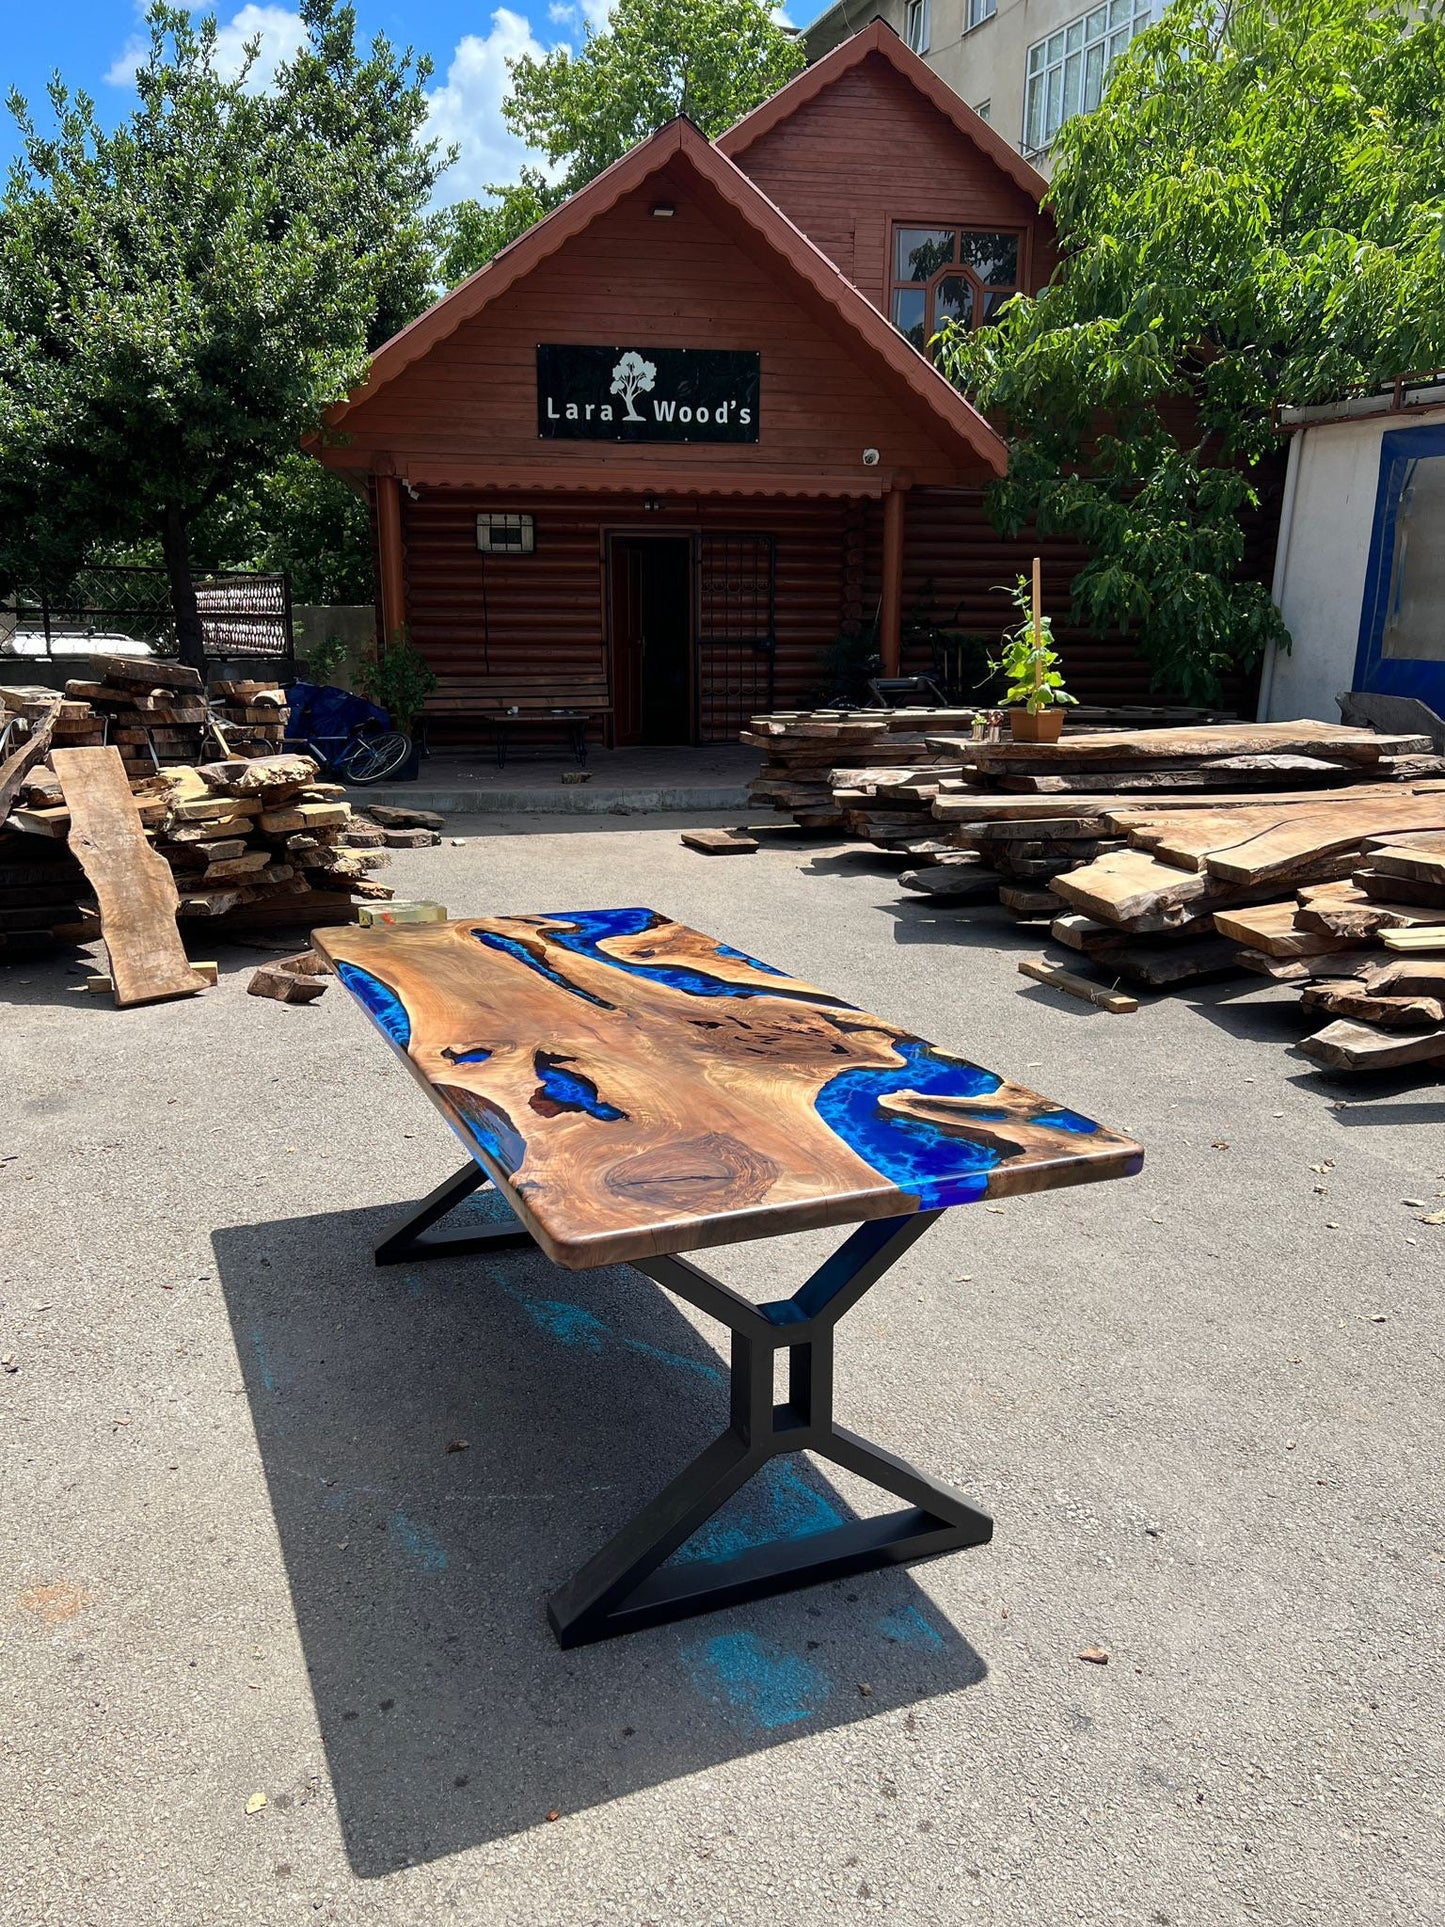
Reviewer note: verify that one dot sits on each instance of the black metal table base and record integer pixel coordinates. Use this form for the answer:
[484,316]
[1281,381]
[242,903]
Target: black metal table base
[628,1584]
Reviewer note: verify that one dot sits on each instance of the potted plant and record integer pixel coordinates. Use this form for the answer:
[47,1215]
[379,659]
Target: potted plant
[399,680]
[1035,692]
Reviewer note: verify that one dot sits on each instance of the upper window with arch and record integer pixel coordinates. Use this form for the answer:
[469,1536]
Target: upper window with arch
[951,274]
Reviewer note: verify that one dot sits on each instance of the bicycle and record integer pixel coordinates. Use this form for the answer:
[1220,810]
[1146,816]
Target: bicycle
[368,753]
[352,740]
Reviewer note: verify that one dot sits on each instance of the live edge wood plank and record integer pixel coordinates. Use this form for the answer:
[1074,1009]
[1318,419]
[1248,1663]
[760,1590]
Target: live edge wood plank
[636,1087]
[132,883]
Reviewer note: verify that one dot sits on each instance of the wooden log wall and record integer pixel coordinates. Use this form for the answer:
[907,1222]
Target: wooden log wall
[505,616]
[956,572]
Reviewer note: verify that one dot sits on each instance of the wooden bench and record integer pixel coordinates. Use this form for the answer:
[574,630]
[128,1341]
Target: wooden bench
[569,702]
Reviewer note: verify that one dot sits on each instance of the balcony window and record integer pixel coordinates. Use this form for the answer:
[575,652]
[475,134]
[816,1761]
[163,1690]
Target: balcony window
[950,274]
[1066,73]
[977,11]
[915,25]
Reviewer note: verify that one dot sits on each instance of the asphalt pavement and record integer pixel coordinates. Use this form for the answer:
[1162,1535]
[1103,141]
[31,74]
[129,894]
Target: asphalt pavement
[276,1526]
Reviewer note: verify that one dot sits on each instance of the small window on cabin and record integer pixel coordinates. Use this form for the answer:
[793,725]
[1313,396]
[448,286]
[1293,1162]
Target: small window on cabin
[959,275]
[915,26]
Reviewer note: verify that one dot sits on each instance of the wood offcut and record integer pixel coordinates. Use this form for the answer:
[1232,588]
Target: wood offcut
[133,885]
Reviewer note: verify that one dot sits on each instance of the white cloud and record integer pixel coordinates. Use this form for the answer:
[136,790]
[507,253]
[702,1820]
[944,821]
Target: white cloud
[280,31]
[466,110]
[562,14]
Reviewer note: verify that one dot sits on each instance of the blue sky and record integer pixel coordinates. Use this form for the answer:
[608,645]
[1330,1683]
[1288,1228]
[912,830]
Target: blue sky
[92,43]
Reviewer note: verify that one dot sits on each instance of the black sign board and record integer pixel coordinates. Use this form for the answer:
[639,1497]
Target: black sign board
[646,394]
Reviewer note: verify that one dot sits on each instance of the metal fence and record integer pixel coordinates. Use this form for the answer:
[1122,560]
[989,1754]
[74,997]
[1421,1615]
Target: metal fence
[242,614]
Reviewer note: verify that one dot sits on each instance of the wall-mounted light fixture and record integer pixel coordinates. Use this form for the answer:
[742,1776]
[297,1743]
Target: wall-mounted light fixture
[663,210]
[651,504]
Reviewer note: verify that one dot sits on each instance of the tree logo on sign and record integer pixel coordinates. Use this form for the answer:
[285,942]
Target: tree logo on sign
[633,376]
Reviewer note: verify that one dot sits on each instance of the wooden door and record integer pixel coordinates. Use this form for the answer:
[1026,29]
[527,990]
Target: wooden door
[625,594]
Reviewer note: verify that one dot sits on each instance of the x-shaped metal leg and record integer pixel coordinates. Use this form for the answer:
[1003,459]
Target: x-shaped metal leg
[406,1241]
[628,1584]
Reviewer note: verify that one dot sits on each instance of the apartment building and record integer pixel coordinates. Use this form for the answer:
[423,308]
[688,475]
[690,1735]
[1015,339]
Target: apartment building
[1025,66]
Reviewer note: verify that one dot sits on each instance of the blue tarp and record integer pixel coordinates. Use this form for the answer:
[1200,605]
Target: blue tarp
[319,712]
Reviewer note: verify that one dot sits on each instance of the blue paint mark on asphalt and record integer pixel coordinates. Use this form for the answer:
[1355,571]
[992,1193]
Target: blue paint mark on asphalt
[581,1329]
[383,1005]
[414,1282]
[906,1626]
[752,1680]
[569,1324]
[416,1543]
[675,1361]
[263,1362]
[783,1507]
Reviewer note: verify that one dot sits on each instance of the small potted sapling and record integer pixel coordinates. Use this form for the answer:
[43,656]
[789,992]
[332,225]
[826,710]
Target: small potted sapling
[399,681]
[1035,692]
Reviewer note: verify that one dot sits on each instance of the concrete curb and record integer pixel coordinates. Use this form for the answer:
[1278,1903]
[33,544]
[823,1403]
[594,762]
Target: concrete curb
[572,799]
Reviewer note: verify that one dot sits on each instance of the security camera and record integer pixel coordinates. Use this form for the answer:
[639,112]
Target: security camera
[870,458]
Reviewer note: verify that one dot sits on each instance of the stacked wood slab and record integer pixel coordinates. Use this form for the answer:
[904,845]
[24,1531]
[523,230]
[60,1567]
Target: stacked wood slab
[42,891]
[152,711]
[261,839]
[250,841]
[893,808]
[1035,814]
[1162,909]
[803,748]
[823,767]
[1367,951]
[256,715]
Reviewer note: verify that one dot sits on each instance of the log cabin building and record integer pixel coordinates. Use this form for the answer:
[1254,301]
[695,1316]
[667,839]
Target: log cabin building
[663,450]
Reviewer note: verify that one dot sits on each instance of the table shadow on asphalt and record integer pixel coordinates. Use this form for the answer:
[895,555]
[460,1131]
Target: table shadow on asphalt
[418,1573]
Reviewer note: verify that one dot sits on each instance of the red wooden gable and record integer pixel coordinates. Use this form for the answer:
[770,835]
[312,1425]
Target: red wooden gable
[870,136]
[452,400]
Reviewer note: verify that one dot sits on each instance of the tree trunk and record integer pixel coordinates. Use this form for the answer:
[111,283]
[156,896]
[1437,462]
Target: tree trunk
[175,546]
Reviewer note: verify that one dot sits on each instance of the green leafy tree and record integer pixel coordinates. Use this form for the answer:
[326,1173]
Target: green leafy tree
[470,233]
[713,60]
[300,519]
[1254,213]
[181,298]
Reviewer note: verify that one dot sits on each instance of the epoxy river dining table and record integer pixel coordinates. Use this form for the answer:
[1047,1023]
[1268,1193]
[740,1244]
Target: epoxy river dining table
[634,1090]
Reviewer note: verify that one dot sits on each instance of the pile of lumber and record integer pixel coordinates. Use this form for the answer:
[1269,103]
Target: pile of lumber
[247,841]
[42,894]
[255,716]
[1021,816]
[154,712]
[893,808]
[1180,898]
[804,748]
[866,772]
[1367,951]
[248,837]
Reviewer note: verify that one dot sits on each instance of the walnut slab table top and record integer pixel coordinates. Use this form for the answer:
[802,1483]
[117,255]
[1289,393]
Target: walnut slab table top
[635,1088]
